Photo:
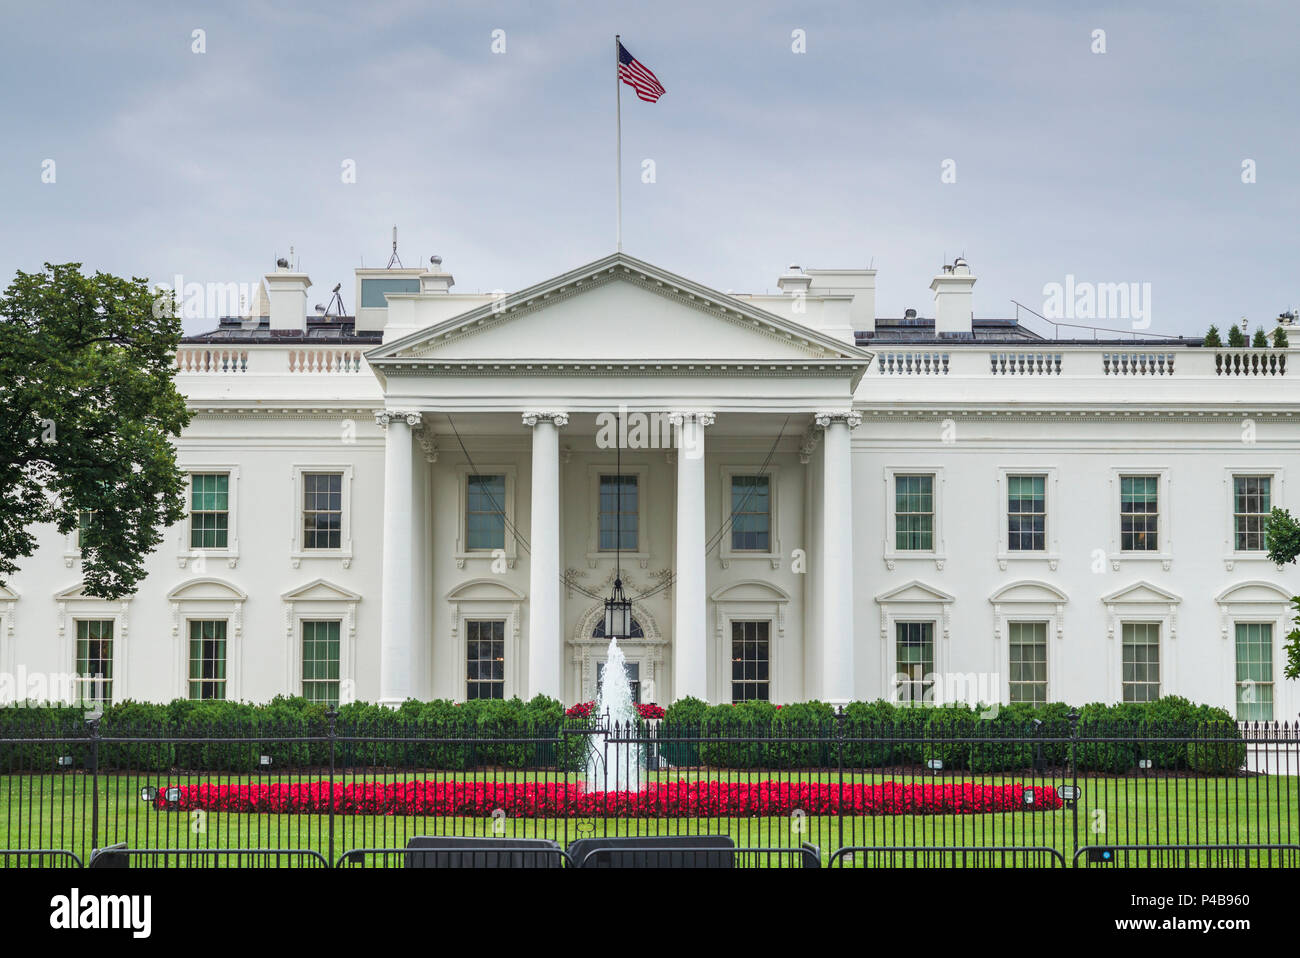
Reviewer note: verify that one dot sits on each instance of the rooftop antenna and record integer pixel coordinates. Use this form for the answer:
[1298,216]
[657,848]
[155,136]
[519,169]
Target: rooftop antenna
[394,258]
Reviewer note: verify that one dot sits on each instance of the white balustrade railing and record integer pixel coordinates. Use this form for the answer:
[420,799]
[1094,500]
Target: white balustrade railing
[270,361]
[980,361]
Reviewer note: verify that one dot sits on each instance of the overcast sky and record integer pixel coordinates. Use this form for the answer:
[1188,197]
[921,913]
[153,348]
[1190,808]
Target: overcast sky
[1123,166]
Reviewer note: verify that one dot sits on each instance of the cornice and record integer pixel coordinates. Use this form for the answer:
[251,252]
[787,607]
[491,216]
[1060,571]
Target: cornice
[1081,413]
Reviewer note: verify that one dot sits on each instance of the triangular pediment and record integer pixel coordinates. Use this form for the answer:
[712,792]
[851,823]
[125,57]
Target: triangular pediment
[1140,592]
[619,309]
[320,590]
[914,591]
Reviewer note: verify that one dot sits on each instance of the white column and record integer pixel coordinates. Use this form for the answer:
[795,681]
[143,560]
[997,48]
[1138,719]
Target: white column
[690,611]
[544,624]
[837,556]
[397,617]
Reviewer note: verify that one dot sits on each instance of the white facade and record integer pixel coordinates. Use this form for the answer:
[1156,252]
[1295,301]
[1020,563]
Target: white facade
[520,388]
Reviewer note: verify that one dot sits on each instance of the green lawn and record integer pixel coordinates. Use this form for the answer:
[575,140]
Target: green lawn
[55,811]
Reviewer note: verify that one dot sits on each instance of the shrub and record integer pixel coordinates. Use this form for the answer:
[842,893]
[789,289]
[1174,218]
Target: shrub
[1212,339]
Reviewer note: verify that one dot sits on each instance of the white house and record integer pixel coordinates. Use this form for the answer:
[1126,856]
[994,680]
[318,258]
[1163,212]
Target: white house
[426,499]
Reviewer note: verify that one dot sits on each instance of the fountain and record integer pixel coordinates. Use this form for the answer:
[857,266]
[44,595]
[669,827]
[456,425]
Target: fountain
[615,766]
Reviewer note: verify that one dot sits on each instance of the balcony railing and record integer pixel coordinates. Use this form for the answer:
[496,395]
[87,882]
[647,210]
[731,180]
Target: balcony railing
[1081,362]
[273,361]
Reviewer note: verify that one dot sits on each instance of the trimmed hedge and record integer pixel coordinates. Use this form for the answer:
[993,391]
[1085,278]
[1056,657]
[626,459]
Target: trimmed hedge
[1172,733]
[428,735]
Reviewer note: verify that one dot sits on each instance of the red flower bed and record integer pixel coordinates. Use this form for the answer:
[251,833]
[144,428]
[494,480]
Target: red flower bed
[665,800]
[587,709]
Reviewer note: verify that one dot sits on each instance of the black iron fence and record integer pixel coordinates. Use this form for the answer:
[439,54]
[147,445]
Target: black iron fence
[840,793]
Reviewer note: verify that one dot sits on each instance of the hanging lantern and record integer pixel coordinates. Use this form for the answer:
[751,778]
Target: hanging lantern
[618,613]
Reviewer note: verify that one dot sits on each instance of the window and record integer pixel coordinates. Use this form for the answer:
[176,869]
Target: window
[751,514]
[209,510]
[633,679]
[320,662]
[1139,513]
[1028,662]
[485,665]
[1255,671]
[322,510]
[1141,676]
[95,660]
[749,661]
[915,650]
[485,518]
[619,513]
[1251,504]
[1026,513]
[914,513]
[207,658]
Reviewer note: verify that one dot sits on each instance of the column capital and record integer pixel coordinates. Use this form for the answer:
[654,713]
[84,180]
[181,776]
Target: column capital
[384,417]
[680,417]
[533,417]
[851,419]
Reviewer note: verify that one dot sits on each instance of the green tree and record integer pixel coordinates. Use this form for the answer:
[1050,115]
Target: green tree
[1212,338]
[1279,338]
[88,406]
[1260,341]
[1236,337]
[1282,539]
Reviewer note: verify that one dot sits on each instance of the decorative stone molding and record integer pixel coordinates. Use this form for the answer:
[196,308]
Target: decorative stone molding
[559,419]
[680,417]
[428,442]
[808,444]
[851,419]
[385,416]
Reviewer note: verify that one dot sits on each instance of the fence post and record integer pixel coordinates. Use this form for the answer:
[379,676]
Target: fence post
[839,758]
[1074,773]
[93,722]
[332,715]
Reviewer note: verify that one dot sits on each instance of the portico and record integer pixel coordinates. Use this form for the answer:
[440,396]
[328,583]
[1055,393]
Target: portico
[739,539]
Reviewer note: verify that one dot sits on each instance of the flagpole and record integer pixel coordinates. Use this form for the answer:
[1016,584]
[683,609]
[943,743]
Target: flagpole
[618,153]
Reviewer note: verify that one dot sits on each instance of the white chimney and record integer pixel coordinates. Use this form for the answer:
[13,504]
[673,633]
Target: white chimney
[436,279]
[858,283]
[287,292]
[953,298]
[794,281]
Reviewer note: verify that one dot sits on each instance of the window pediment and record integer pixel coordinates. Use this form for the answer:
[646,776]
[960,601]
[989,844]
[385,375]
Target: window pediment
[1029,591]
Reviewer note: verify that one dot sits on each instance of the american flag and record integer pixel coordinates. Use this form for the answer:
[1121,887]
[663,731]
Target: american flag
[638,76]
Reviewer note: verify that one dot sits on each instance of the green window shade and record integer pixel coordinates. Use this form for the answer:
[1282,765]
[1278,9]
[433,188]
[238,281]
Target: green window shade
[207,659]
[1139,513]
[1254,671]
[751,513]
[1141,663]
[320,662]
[209,510]
[619,512]
[95,661]
[485,518]
[1027,646]
[914,513]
